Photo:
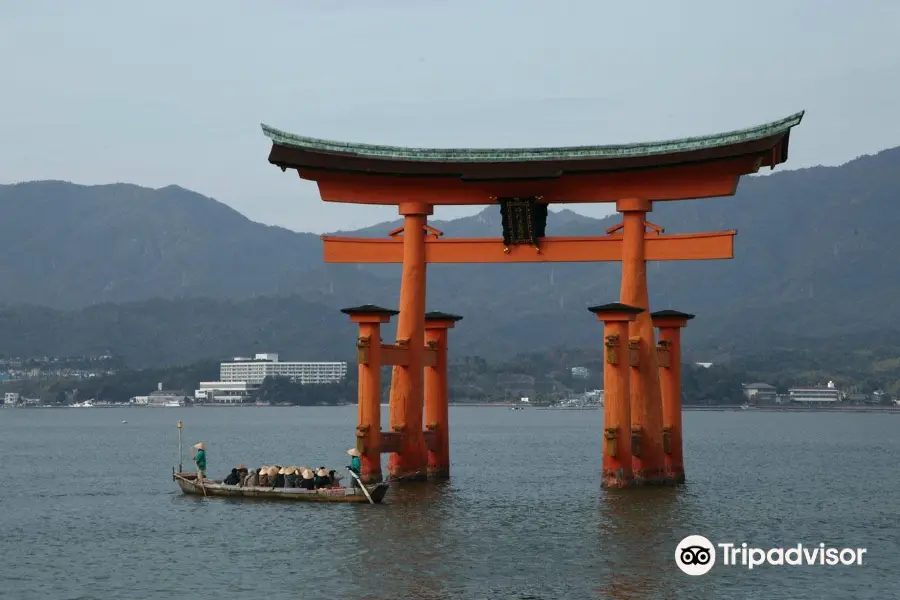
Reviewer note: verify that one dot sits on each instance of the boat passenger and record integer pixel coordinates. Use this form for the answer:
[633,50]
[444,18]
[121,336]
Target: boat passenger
[321,479]
[233,478]
[264,476]
[290,477]
[307,482]
[273,476]
[200,460]
[335,477]
[355,465]
[242,473]
[279,478]
[252,479]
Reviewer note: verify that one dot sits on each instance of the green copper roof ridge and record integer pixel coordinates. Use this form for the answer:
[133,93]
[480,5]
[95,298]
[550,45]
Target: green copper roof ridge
[283,138]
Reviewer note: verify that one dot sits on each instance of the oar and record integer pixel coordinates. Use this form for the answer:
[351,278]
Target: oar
[365,491]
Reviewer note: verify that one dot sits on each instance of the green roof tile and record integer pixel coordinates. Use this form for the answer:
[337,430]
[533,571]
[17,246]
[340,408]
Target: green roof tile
[283,138]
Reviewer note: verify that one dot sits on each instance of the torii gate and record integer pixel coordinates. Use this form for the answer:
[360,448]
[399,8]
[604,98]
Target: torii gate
[643,442]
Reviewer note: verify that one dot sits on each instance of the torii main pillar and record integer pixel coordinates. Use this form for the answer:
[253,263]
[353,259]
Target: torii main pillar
[408,381]
[646,401]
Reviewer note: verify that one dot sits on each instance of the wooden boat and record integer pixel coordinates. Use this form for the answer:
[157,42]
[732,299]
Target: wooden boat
[210,487]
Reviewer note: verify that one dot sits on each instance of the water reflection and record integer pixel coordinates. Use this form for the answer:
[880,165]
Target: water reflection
[637,528]
[404,542]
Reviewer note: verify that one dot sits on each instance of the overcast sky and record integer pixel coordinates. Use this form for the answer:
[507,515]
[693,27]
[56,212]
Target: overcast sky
[173,92]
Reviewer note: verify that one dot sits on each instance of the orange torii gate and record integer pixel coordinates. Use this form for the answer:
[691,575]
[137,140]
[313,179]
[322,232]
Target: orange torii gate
[642,419]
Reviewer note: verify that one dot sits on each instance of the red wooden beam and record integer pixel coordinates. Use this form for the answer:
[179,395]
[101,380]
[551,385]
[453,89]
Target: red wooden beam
[607,248]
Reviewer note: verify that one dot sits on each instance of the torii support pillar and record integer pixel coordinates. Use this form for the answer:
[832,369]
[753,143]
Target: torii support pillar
[646,402]
[410,461]
[437,412]
[368,344]
[670,323]
[617,455]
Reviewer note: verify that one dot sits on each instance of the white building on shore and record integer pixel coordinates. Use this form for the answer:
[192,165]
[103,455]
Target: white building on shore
[760,393]
[224,392]
[815,395]
[240,378]
[255,370]
[161,397]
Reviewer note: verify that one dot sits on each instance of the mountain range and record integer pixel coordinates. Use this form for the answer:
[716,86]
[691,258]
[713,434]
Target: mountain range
[168,276]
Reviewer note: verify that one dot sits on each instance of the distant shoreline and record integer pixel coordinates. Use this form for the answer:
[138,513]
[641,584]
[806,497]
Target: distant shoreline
[689,407]
[799,409]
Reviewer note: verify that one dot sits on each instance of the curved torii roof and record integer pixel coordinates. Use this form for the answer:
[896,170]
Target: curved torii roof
[768,141]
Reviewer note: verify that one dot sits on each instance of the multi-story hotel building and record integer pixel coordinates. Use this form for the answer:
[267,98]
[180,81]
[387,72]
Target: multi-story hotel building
[255,370]
[815,395]
[240,377]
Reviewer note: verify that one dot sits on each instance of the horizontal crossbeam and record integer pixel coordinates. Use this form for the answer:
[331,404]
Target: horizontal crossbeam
[390,441]
[606,248]
[395,354]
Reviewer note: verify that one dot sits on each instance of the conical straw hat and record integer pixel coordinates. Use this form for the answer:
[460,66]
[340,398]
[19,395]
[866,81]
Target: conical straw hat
[199,446]
[322,473]
[282,471]
[272,472]
[307,474]
[353,452]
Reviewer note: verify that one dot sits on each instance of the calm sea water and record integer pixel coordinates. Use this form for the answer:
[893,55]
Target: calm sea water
[89,510]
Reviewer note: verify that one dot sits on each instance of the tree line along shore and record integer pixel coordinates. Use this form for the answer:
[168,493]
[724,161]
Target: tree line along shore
[543,377]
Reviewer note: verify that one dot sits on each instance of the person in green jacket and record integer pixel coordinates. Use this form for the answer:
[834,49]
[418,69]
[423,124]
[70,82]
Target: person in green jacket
[355,465]
[200,460]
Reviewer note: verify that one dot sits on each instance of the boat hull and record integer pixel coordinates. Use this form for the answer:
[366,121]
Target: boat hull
[210,488]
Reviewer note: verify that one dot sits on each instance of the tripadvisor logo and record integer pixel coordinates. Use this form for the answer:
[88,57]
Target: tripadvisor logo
[696,555]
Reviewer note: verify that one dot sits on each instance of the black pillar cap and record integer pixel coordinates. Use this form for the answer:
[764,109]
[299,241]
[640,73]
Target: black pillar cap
[437,315]
[369,309]
[615,307]
[671,314]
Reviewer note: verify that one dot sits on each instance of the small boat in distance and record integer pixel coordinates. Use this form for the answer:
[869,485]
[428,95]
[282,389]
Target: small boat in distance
[210,487]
